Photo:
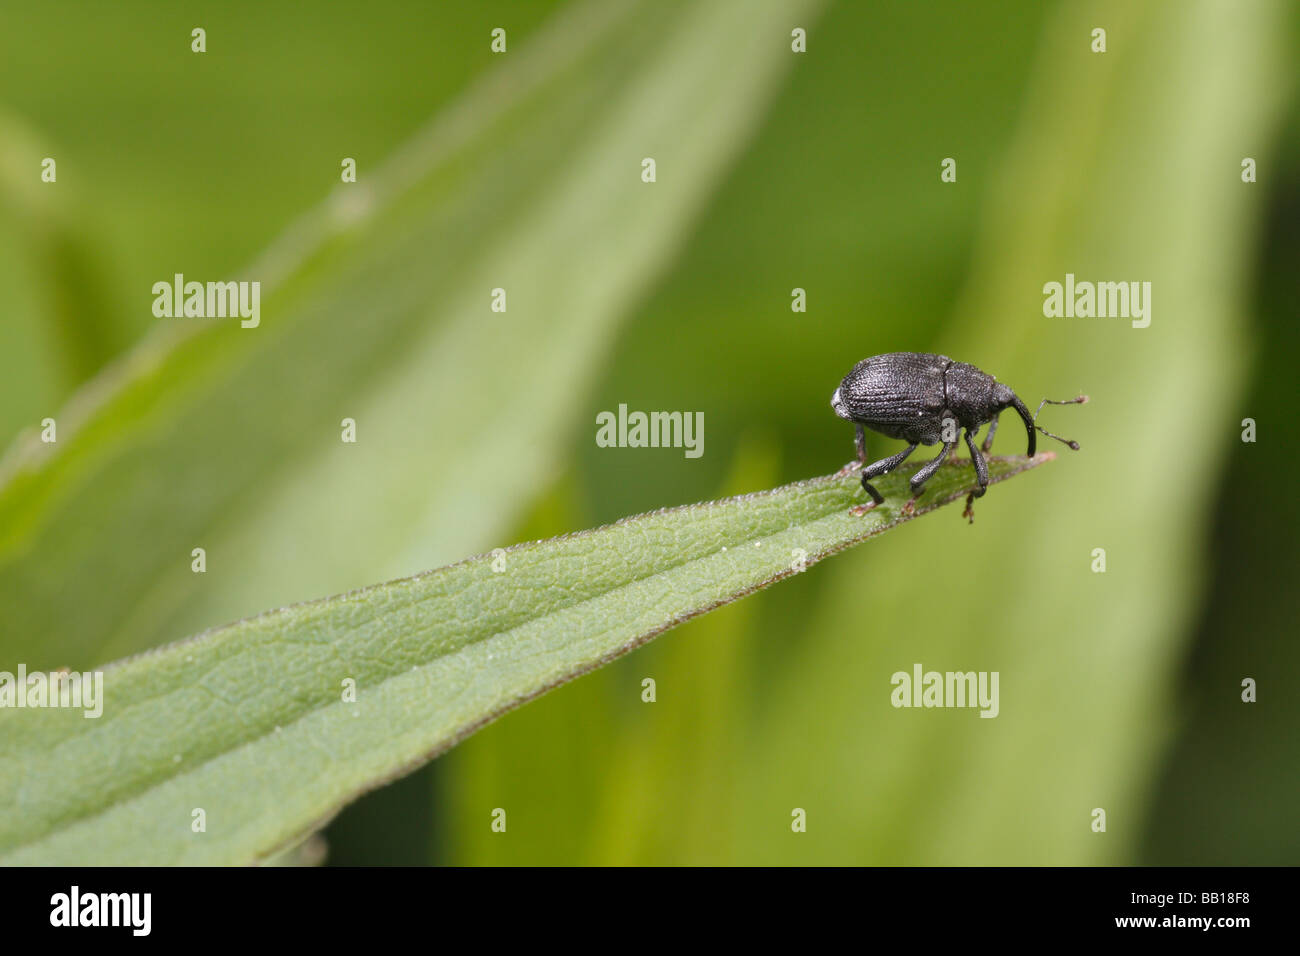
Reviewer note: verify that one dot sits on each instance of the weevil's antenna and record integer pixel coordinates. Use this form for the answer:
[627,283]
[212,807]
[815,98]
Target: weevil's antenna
[1049,401]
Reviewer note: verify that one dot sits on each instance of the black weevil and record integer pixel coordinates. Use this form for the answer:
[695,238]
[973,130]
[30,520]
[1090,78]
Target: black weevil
[925,399]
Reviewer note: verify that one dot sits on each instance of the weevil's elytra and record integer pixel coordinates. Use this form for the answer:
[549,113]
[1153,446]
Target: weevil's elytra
[925,399]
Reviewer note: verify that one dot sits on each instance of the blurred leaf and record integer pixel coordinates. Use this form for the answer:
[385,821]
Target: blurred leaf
[1248,623]
[377,308]
[56,331]
[221,720]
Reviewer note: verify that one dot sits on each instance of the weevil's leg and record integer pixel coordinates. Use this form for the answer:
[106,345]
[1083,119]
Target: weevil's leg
[859,442]
[925,474]
[981,466]
[930,467]
[884,466]
[876,497]
[981,475]
[988,439]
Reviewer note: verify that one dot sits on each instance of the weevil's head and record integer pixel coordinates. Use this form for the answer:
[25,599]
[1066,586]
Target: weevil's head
[1003,397]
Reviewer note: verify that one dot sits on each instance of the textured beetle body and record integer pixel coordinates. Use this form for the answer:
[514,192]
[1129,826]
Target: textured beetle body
[901,395]
[925,399]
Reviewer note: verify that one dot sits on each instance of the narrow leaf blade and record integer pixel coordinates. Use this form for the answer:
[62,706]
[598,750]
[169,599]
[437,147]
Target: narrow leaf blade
[250,723]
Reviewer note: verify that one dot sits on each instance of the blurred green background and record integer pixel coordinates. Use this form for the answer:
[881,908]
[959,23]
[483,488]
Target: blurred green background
[817,170]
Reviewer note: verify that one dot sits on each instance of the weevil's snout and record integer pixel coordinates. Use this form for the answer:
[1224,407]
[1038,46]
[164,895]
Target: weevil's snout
[838,405]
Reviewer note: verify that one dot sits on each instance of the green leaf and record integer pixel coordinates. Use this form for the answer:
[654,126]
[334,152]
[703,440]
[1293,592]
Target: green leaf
[377,307]
[57,330]
[226,720]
